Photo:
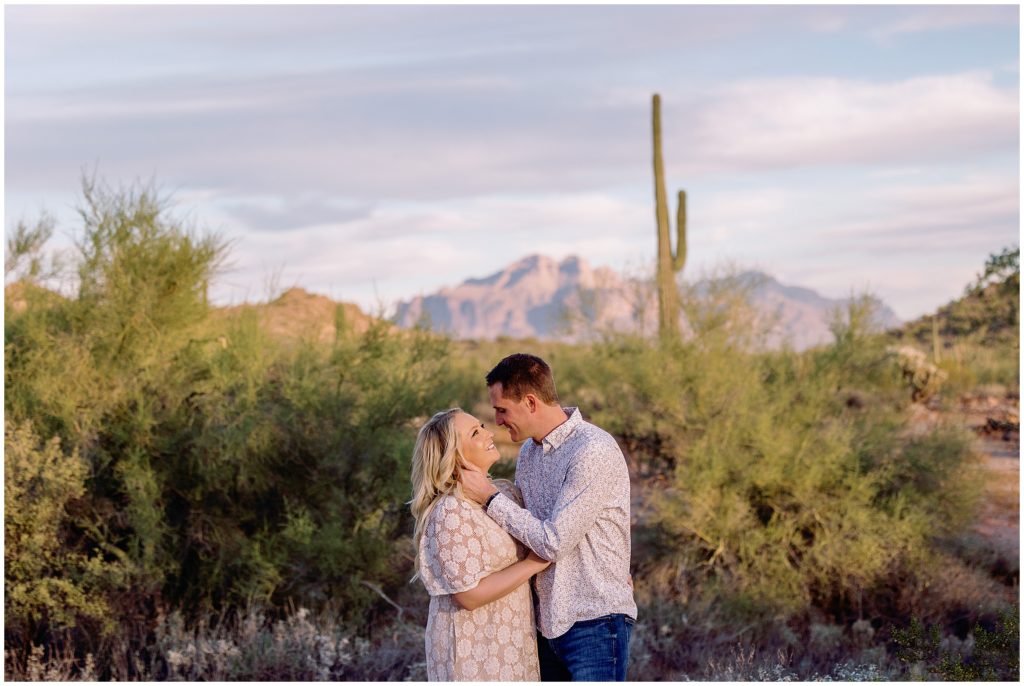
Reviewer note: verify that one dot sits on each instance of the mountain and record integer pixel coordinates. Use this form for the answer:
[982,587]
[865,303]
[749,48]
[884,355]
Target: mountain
[529,298]
[541,298]
[802,315]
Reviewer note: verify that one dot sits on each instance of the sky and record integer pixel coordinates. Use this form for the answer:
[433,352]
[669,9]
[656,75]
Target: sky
[376,153]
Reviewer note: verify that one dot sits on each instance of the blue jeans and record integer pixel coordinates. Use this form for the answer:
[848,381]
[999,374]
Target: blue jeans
[591,650]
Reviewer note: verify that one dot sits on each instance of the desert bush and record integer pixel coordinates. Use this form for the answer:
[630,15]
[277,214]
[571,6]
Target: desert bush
[46,583]
[976,338]
[971,365]
[97,371]
[300,467]
[786,479]
[252,648]
[208,464]
[988,654]
[24,258]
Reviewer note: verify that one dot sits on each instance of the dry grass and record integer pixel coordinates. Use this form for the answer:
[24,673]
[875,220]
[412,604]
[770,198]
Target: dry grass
[298,647]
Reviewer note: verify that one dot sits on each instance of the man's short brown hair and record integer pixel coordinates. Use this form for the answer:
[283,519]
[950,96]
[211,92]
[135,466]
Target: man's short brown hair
[523,373]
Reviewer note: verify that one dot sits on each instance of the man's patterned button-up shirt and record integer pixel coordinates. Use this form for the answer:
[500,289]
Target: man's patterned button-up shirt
[575,487]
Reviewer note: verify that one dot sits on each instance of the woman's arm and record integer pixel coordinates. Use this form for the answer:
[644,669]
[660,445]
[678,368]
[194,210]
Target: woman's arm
[501,583]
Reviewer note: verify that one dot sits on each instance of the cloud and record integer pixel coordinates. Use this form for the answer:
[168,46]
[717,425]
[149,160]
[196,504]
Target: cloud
[398,251]
[794,122]
[428,132]
[368,35]
[128,106]
[440,132]
[979,214]
[925,19]
[433,103]
[287,214]
[729,213]
[910,291]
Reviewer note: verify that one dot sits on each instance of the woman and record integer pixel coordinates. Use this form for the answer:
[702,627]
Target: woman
[480,625]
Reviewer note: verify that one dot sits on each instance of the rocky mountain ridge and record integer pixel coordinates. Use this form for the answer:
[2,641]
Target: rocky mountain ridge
[542,298]
[537,297]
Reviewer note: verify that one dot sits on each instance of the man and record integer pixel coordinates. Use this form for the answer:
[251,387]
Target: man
[575,486]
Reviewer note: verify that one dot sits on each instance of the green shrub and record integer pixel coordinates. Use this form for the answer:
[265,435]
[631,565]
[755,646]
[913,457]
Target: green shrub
[788,480]
[977,336]
[218,466]
[300,466]
[46,583]
[995,655]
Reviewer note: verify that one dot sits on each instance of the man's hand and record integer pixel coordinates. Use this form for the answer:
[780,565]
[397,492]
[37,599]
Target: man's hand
[476,485]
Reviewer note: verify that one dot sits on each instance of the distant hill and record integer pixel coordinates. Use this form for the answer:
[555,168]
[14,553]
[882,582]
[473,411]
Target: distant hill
[295,314]
[987,314]
[530,298]
[18,295]
[300,314]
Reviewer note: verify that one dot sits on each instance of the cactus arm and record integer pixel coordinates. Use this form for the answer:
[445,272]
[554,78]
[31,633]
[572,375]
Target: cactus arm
[680,257]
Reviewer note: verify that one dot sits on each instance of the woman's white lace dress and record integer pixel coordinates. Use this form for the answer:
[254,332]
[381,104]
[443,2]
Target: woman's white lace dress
[495,642]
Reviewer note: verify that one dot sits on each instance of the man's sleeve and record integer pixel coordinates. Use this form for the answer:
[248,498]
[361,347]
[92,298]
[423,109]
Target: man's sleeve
[589,487]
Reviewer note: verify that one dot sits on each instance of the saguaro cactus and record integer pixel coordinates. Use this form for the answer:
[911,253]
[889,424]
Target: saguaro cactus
[668,263]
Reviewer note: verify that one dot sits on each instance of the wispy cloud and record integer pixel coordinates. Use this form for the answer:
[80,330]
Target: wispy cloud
[420,135]
[977,214]
[793,122]
[941,18]
[270,213]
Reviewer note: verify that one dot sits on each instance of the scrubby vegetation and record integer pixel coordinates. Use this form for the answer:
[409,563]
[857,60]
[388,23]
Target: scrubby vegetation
[189,497]
[159,460]
[995,655]
[975,339]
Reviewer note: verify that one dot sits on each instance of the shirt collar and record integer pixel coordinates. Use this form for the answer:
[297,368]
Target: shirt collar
[556,437]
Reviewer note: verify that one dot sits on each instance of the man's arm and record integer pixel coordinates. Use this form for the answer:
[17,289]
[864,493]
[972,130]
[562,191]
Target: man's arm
[588,488]
[477,487]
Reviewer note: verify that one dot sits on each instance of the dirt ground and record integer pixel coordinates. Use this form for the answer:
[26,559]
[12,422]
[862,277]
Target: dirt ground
[993,416]
[996,423]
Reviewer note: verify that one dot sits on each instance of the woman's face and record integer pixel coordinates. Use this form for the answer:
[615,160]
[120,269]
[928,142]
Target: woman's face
[477,442]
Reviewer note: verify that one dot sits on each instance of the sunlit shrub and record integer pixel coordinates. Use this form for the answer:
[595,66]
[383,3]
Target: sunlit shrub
[45,582]
[787,480]
[217,466]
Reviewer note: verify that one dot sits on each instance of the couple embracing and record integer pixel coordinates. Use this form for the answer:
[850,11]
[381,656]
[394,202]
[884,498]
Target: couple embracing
[564,523]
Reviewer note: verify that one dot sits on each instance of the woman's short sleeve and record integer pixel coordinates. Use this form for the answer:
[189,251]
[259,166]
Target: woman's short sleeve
[451,554]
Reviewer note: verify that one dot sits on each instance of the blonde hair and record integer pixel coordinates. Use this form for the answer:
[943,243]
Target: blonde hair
[436,466]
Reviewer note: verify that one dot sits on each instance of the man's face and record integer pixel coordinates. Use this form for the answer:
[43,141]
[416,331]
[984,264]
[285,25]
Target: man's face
[512,414]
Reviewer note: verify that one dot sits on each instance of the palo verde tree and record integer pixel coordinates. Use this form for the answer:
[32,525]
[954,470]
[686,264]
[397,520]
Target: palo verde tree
[163,455]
